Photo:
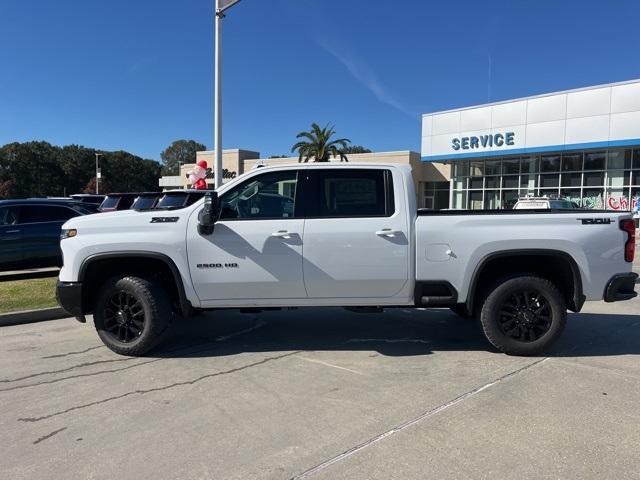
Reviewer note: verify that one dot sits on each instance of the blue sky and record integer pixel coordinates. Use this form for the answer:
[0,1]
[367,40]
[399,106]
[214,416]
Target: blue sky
[138,74]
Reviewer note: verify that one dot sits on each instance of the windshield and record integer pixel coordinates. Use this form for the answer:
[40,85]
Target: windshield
[110,202]
[172,200]
[561,204]
[144,203]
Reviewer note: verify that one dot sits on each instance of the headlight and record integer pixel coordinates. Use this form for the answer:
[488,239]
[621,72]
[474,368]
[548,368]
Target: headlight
[68,233]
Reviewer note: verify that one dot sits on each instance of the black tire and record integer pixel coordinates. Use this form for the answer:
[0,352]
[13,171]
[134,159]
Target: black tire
[132,315]
[523,315]
[461,310]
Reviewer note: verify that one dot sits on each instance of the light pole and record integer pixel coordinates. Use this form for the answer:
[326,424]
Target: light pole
[98,155]
[221,7]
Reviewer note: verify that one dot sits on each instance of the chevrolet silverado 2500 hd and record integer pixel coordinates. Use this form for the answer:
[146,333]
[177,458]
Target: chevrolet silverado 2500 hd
[341,235]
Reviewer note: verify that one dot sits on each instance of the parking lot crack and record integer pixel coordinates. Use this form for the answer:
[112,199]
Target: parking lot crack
[55,432]
[413,421]
[61,355]
[159,389]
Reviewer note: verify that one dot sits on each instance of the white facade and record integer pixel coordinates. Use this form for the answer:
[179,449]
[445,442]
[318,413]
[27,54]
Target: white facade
[604,116]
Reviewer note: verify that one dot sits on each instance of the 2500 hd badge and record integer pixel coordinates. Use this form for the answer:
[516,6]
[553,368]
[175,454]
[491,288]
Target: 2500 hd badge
[217,265]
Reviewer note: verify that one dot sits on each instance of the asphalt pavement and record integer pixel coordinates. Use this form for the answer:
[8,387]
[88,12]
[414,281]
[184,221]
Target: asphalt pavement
[323,394]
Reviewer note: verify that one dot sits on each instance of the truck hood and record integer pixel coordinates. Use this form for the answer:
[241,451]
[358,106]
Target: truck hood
[127,219]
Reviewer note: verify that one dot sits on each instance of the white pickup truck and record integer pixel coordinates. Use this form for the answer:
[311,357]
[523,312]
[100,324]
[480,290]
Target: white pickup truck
[347,236]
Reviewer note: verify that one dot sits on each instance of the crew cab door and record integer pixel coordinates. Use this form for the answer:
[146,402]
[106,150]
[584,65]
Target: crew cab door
[255,250]
[356,236]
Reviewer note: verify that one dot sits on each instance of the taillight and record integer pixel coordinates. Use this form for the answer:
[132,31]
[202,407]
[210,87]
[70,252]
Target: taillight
[629,226]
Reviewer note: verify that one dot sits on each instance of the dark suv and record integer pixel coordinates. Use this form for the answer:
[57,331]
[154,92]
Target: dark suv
[30,231]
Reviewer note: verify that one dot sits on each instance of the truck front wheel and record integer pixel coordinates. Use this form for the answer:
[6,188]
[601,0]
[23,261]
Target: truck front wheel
[131,315]
[523,315]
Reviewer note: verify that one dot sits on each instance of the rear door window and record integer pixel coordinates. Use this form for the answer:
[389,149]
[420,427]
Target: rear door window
[344,192]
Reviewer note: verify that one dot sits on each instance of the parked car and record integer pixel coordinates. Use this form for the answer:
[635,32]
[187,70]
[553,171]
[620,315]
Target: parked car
[117,201]
[175,199]
[88,198]
[352,238]
[546,203]
[146,201]
[30,231]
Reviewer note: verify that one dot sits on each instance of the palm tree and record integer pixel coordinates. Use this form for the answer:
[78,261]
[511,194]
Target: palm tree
[319,146]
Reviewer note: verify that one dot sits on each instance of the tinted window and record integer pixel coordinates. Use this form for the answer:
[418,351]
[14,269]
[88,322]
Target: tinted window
[270,195]
[8,215]
[125,202]
[194,197]
[352,193]
[143,203]
[110,202]
[45,213]
[174,200]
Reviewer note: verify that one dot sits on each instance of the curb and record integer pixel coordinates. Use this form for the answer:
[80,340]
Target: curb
[31,316]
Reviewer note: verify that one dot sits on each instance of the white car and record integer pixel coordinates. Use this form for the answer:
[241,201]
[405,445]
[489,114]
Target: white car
[544,203]
[349,236]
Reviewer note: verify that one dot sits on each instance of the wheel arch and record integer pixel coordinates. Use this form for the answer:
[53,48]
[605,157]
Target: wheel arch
[102,265]
[497,264]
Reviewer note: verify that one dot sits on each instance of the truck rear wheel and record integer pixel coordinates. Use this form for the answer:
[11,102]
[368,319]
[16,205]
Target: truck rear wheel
[523,315]
[132,315]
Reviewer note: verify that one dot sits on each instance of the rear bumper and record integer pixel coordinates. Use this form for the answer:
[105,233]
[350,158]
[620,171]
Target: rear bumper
[69,296]
[621,287]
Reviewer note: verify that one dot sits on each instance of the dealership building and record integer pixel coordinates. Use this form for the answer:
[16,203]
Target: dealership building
[581,144]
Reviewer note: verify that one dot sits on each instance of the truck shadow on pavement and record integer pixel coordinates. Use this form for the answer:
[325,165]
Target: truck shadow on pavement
[397,332]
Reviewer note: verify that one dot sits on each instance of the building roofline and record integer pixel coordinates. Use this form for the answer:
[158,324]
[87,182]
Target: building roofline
[561,92]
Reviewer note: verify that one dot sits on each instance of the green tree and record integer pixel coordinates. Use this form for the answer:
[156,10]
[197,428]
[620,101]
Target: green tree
[179,152]
[355,149]
[319,146]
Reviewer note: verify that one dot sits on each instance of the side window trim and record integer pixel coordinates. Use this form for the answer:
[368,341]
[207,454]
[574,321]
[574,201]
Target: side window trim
[313,193]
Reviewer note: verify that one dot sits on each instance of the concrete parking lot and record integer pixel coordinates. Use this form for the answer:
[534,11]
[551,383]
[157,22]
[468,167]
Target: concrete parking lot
[323,394]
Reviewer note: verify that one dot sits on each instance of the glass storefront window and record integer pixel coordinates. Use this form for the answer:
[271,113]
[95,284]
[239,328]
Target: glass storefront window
[509,198]
[511,166]
[459,200]
[549,180]
[476,182]
[529,164]
[492,182]
[571,194]
[593,198]
[459,184]
[571,179]
[616,199]
[461,169]
[595,160]
[529,181]
[550,163]
[475,200]
[636,158]
[510,181]
[572,162]
[619,159]
[593,179]
[476,169]
[635,177]
[618,178]
[492,199]
[493,167]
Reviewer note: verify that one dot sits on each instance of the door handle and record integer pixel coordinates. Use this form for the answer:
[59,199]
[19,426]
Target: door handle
[282,234]
[12,231]
[387,232]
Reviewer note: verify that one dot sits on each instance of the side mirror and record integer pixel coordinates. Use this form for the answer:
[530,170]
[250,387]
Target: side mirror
[209,215]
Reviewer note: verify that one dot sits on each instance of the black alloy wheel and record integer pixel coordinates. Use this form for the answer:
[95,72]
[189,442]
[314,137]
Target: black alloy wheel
[132,314]
[525,316]
[124,316]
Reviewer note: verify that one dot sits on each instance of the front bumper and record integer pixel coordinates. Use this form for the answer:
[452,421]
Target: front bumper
[621,287]
[69,296]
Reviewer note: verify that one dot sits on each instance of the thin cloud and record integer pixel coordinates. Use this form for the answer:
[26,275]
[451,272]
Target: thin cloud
[364,74]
